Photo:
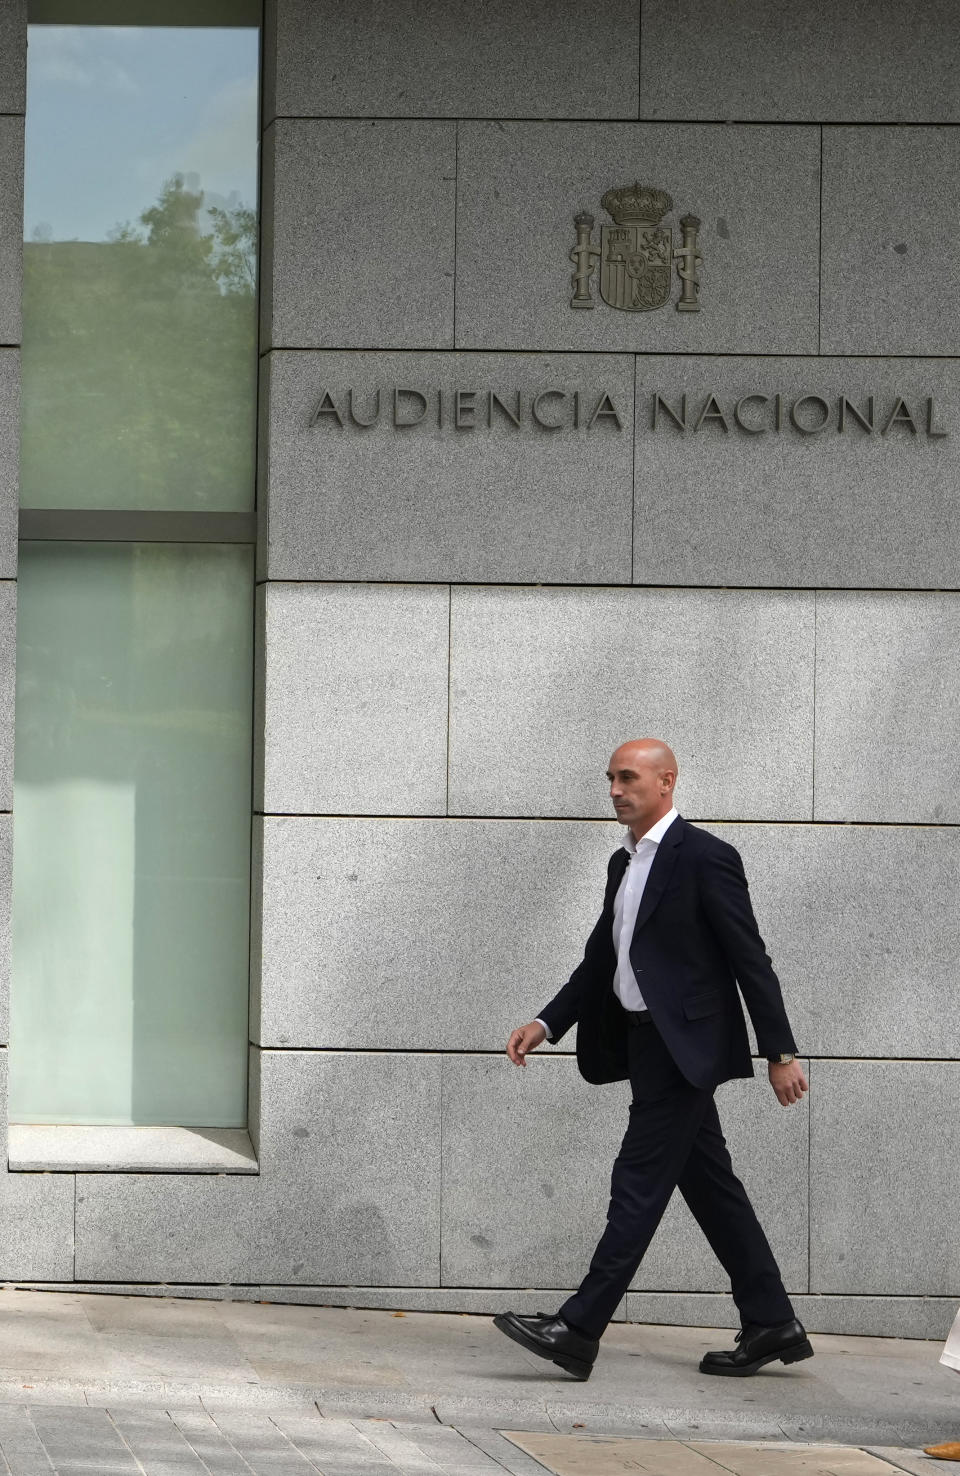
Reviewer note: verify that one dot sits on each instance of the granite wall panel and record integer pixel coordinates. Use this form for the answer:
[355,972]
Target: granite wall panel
[358,951]
[545,683]
[343,1137]
[168,1227]
[309,1217]
[397,934]
[11,227]
[755,191]
[548,1129]
[13,55]
[543,1128]
[265,281]
[450,58]
[888,704]
[8,651]
[890,196]
[362,251]
[36,1227]
[415,495]
[256,929]
[254,1097]
[780,480]
[799,60]
[9,460]
[36,1210]
[259,692]
[884,1177]
[862,927]
[355,698]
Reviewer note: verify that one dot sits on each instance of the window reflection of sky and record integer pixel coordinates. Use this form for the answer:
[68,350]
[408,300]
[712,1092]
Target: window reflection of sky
[114,111]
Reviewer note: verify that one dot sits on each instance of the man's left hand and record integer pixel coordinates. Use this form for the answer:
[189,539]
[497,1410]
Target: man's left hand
[788,1081]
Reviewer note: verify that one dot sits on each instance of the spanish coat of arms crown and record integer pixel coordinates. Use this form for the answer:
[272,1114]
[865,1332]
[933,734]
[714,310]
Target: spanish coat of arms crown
[637,204]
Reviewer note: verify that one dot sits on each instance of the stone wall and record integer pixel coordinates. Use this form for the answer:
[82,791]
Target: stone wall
[458,622]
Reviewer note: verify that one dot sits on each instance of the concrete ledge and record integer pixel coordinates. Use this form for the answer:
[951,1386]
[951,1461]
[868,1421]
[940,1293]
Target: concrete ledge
[68,1148]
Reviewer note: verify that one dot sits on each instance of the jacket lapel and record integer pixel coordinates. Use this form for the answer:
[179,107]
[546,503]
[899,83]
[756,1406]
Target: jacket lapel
[660,872]
[621,860]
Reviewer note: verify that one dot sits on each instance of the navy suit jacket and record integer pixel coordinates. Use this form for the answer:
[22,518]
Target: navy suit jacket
[695,940]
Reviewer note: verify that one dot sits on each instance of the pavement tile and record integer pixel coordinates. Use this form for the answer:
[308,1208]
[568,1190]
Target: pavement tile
[404,1450]
[201,1431]
[509,1456]
[20,1444]
[83,1440]
[155,1441]
[263,1445]
[603,1455]
[784,1460]
[338,1447]
[912,1461]
[453,1449]
[711,1424]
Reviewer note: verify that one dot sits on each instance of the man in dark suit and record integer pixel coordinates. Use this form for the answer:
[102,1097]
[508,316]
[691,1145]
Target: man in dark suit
[655,1001]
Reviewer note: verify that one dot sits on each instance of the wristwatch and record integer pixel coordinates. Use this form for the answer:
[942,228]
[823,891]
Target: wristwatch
[782,1060]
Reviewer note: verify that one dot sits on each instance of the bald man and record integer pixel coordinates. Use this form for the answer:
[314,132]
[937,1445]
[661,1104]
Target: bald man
[655,1002]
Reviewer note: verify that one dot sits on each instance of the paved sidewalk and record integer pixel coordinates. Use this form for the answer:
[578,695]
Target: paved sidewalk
[151,1442]
[164,1386]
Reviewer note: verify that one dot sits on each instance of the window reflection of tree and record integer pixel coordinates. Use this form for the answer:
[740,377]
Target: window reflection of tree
[139,369]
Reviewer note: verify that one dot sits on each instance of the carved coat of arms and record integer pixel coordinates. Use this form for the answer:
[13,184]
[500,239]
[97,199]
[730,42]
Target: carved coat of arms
[636,254]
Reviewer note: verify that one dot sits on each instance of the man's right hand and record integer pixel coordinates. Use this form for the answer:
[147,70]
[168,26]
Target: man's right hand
[525,1039]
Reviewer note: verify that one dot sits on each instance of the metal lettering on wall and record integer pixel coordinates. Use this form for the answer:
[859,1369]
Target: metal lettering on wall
[636,254]
[405,406]
[802,415]
[806,414]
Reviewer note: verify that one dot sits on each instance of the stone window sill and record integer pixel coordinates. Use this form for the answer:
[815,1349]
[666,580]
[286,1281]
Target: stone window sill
[69,1148]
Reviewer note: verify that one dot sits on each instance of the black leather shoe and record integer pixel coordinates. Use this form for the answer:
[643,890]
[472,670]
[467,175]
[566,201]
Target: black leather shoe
[759,1345]
[547,1335]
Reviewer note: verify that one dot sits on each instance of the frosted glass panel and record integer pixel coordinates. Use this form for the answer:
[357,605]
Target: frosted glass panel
[139,352]
[132,834]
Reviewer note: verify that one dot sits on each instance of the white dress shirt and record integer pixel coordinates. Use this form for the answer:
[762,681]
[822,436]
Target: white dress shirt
[626,905]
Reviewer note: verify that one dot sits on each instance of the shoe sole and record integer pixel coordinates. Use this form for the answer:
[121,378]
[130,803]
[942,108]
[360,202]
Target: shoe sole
[795,1354]
[575,1367]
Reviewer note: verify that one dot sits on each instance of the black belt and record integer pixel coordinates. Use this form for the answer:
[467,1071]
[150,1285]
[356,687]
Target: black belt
[637,1017]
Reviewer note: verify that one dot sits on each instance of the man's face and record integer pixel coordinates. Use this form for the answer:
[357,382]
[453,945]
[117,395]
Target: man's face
[636,789]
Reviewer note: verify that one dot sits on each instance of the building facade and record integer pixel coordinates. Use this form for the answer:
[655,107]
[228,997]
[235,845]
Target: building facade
[607,386]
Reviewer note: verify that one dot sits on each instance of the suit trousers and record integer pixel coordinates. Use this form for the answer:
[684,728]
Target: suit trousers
[674,1140]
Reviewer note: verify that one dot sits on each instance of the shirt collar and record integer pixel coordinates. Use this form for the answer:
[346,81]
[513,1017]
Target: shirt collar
[655,833]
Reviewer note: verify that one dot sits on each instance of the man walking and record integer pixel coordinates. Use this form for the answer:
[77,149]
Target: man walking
[655,1001]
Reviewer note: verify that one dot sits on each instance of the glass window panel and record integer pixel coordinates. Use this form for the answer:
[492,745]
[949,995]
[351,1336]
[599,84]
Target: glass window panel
[132,834]
[139,336]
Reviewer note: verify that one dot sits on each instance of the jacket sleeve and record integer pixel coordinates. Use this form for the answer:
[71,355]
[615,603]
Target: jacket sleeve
[726,900]
[565,1008]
